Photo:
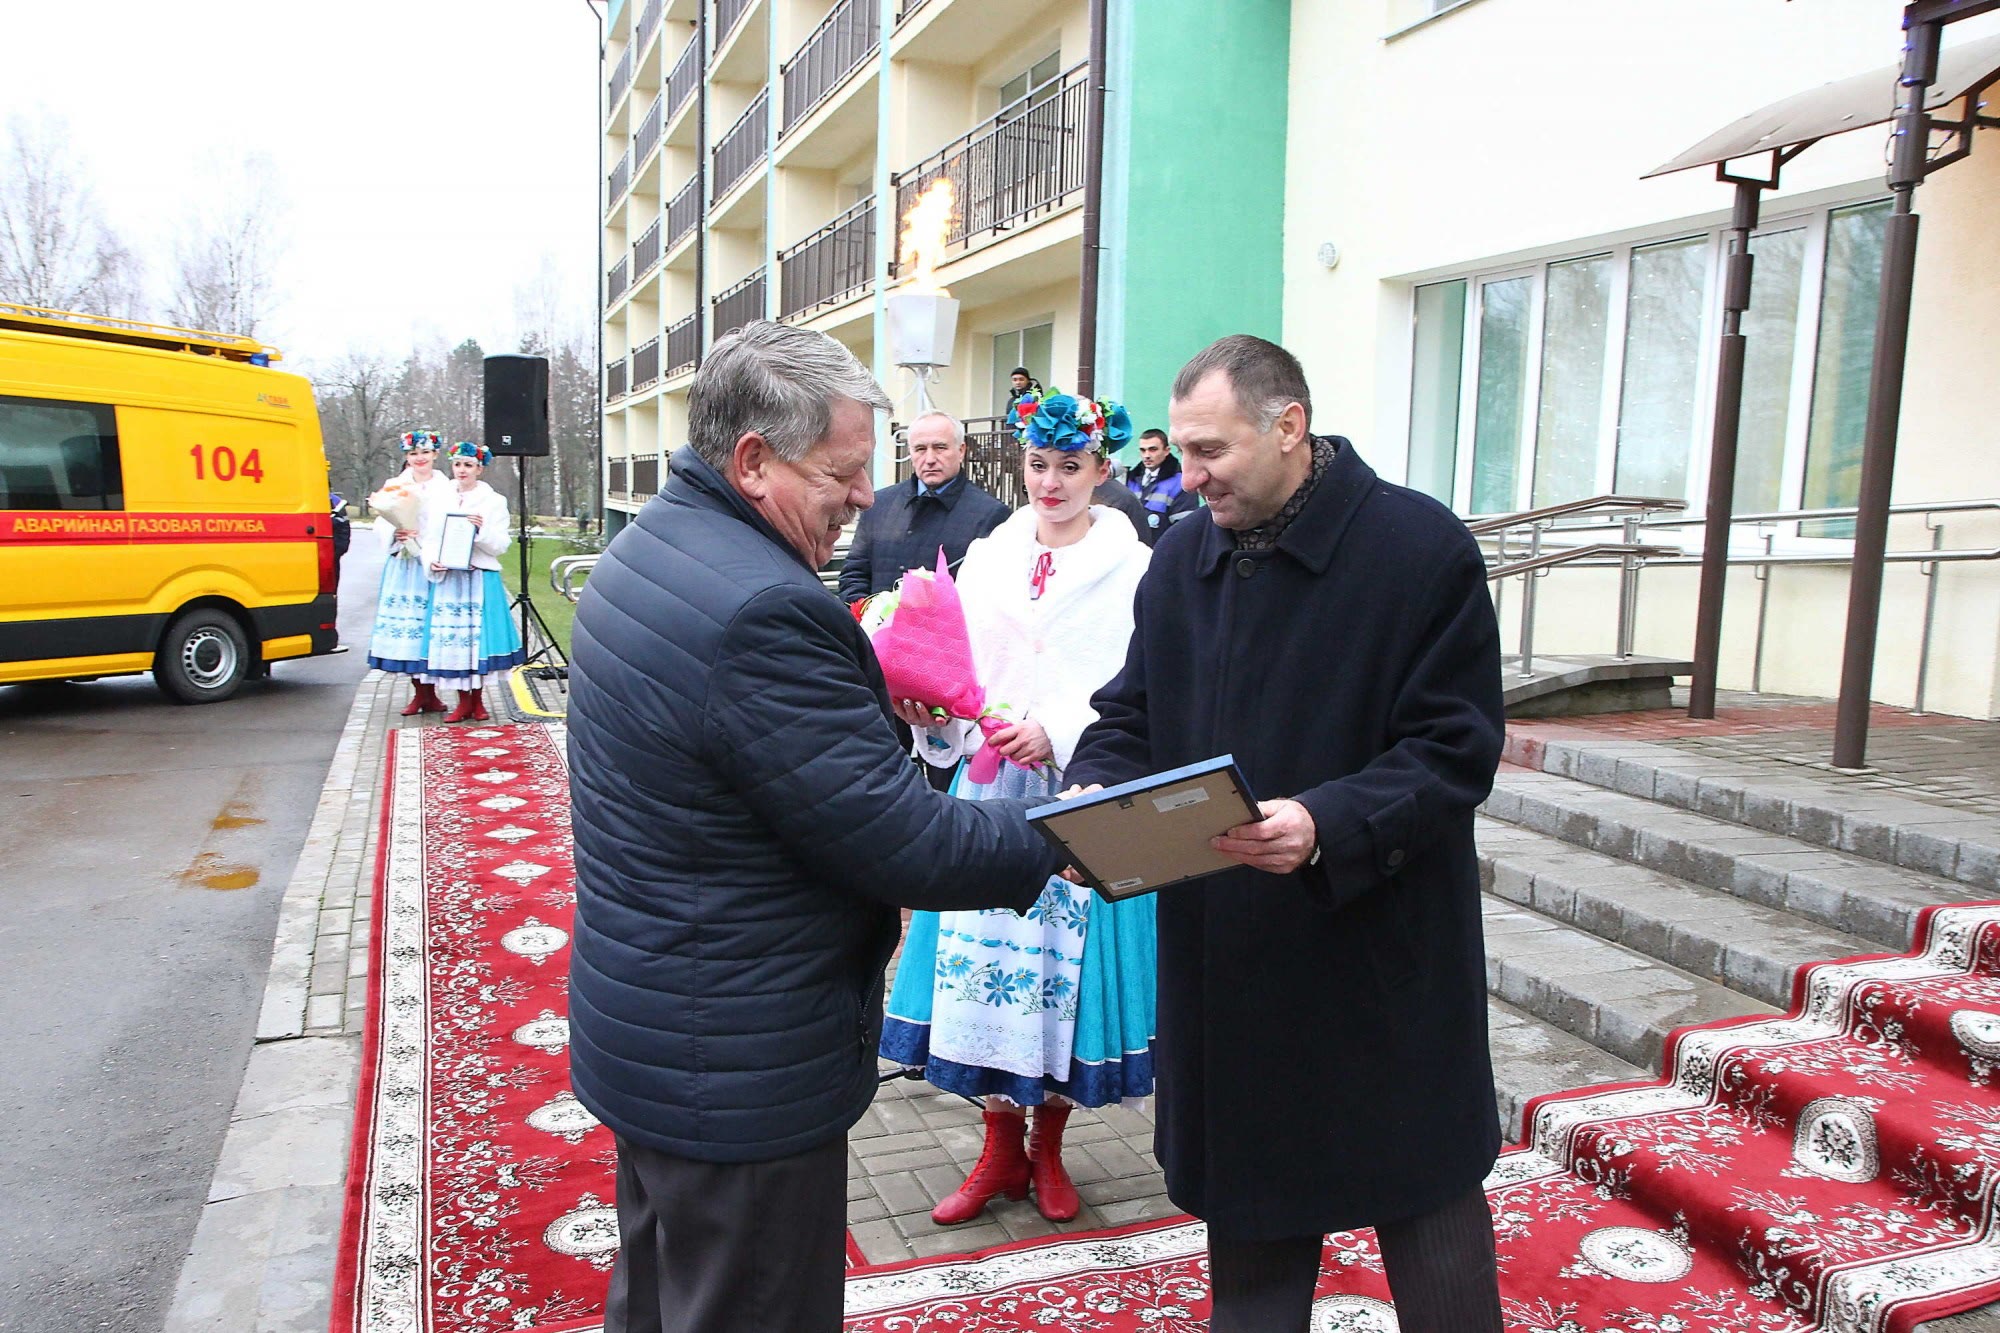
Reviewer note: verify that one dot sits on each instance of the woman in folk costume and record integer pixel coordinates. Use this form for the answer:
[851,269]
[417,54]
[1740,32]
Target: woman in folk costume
[1055,1009]
[471,634]
[400,640]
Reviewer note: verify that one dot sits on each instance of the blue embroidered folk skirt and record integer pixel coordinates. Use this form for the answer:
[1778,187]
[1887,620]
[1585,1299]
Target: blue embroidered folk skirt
[1060,1001]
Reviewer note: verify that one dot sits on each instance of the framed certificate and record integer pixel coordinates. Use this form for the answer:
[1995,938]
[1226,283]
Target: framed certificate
[1152,832]
[455,546]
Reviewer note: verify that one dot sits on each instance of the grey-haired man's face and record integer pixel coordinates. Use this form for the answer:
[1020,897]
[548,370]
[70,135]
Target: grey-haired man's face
[934,455]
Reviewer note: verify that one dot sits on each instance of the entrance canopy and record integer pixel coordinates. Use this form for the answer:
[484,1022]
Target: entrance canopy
[1834,108]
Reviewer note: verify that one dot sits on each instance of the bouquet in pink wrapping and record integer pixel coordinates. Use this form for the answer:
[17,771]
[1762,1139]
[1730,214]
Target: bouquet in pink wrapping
[920,638]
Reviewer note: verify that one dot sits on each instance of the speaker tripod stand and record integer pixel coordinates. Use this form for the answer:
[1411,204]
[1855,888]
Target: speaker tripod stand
[554,663]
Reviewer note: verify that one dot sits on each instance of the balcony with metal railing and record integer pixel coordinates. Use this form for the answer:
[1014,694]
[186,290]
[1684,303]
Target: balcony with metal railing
[614,380]
[993,459]
[1022,163]
[618,279]
[830,265]
[841,43]
[739,304]
[647,252]
[742,145]
[647,137]
[683,344]
[729,13]
[621,78]
[646,365]
[684,79]
[907,8]
[618,476]
[684,212]
[649,20]
[619,181]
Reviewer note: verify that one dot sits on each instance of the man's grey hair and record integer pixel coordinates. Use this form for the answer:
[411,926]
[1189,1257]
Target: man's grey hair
[1267,379]
[777,381]
[957,426]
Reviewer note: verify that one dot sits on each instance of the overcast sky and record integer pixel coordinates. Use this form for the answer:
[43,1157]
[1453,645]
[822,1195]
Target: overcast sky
[433,155]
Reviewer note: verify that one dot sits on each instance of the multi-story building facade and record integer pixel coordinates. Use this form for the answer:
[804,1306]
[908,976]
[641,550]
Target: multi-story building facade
[760,155]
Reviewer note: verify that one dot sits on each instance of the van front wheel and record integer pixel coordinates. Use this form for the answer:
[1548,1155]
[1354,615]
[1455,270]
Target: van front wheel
[203,659]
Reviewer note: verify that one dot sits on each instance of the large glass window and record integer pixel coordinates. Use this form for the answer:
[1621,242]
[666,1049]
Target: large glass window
[1551,383]
[1434,388]
[1572,388]
[58,455]
[1656,405]
[1771,334]
[1853,293]
[1498,411]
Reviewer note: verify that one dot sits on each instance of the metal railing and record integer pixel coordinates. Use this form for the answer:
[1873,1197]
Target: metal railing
[567,573]
[649,19]
[618,181]
[647,136]
[615,282]
[742,145]
[837,47]
[647,252]
[993,459]
[618,477]
[645,365]
[907,8]
[1533,529]
[1023,161]
[684,212]
[614,380]
[686,77]
[729,13]
[1575,541]
[828,265]
[739,305]
[621,78]
[683,345]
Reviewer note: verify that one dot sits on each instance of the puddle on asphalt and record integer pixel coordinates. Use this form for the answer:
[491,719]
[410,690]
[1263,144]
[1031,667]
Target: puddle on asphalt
[210,872]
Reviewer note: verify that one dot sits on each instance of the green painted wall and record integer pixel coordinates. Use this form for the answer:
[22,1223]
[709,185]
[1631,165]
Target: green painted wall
[1194,188]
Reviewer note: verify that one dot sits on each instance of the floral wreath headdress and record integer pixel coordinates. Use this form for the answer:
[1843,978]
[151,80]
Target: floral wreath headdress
[478,453]
[1062,421]
[421,439]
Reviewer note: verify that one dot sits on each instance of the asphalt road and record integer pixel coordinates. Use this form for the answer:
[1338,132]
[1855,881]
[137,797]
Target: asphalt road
[144,848]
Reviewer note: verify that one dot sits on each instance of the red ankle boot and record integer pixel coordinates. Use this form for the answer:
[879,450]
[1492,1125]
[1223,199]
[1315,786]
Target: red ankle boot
[1055,1196]
[468,702]
[479,713]
[1002,1169]
[423,700]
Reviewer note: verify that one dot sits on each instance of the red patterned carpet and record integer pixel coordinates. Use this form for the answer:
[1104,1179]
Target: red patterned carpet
[1833,1169]
[480,1193]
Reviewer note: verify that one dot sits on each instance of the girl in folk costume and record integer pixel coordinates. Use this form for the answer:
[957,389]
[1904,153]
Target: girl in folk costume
[1054,1009]
[471,634]
[400,640]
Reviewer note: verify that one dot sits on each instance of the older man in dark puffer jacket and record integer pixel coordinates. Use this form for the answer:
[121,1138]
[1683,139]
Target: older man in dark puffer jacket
[747,824]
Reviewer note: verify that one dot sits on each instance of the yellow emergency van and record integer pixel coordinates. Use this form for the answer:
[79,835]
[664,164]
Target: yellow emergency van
[163,506]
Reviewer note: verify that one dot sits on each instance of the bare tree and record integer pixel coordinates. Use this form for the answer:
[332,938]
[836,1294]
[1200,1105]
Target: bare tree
[224,259]
[361,413]
[55,249]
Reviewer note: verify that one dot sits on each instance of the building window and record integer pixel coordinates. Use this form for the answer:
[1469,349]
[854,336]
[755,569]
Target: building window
[1594,374]
[1032,348]
[59,455]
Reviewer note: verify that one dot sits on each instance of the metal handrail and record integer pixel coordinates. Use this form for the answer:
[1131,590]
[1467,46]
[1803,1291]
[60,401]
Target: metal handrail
[1608,504]
[564,573]
[830,264]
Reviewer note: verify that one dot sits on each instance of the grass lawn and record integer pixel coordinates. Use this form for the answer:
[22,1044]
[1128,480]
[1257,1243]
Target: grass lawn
[555,608]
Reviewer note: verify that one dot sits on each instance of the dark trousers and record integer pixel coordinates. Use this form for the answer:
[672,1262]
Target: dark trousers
[1440,1268]
[708,1247]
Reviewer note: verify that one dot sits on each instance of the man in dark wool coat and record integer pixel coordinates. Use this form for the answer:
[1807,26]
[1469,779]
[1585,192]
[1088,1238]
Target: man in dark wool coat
[1322,1011]
[747,823]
